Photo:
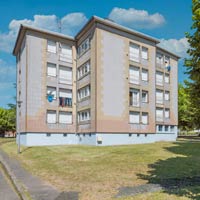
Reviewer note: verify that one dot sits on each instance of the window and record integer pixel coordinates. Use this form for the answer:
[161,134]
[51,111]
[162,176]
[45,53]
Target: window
[51,46]
[144,75]
[167,113]
[144,96]
[134,52]
[166,128]
[83,69]
[159,96]
[167,59]
[51,116]
[83,47]
[65,53]
[48,134]
[134,74]
[84,92]
[134,97]
[51,91]
[144,118]
[65,75]
[159,59]
[159,78]
[51,69]
[167,96]
[134,117]
[84,116]
[160,128]
[65,97]
[166,78]
[65,117]
[144,53]
[159,114]
[172,128]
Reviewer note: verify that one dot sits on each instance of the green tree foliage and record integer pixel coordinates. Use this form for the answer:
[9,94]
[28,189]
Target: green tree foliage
[7,120]
[193,63]
[185,110]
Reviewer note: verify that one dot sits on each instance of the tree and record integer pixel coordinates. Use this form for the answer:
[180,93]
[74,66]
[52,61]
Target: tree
[193,63]
[185,110]
[7,122]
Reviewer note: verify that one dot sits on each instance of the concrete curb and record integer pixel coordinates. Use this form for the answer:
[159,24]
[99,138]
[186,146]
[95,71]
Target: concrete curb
[18,186]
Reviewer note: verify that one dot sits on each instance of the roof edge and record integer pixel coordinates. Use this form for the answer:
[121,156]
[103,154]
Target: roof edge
[24,28]
[169,52]
[116,26]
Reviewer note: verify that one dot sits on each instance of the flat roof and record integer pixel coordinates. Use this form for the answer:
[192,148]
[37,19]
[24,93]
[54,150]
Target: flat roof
[112,24]
[24,28]
[93,19]
[169,52]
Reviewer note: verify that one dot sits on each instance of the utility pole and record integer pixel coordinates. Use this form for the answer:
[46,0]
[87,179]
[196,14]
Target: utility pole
[18,134]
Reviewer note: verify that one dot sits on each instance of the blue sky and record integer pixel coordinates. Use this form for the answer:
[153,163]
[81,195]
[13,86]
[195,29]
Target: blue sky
[167,21]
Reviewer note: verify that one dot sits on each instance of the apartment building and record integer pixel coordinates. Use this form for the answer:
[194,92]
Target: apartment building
[108,85]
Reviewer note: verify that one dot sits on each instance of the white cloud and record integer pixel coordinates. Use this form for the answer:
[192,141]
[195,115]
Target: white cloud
[7,72]
[136,19]
[179,47]
[71,23]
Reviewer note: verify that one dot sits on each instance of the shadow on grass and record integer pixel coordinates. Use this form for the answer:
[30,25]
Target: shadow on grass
[179,175]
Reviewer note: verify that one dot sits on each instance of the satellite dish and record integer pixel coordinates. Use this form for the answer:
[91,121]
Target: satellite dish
[50,98]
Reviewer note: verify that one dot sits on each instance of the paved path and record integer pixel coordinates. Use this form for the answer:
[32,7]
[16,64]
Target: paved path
[36,188]
[6,190]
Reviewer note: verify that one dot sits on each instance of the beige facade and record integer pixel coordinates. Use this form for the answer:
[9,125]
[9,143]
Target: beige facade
[121,82]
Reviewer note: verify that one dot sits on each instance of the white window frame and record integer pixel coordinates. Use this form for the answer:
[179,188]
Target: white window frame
[84,92]
[167,95]
[145,53]
[67,119]
[134,74]
[134,117]
[67,78]
[159,114]
[159,58]
[135,100]
[146,98]
[167,113]
[159,78]
[65,54]
[145,118]
[84,116]
[167,61]
[83,47]
[51,69]
[51,116]
[66,93]
[167,78]
[145,75]
[83,69]
[134,52]
[159,96]
[51,46]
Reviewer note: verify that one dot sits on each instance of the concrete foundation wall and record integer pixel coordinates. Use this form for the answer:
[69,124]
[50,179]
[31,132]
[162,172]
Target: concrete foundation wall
[96,139]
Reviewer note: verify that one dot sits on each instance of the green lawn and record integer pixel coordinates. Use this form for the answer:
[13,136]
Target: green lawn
[97,172]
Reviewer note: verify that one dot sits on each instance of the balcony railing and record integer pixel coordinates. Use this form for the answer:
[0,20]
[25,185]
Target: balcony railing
[65,102]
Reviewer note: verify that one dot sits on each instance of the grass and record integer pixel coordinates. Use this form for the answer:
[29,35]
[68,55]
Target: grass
[98,172]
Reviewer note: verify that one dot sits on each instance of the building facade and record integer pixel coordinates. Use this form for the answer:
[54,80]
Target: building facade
[109,85]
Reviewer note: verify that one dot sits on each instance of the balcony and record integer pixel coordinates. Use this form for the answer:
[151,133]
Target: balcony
[65,102]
